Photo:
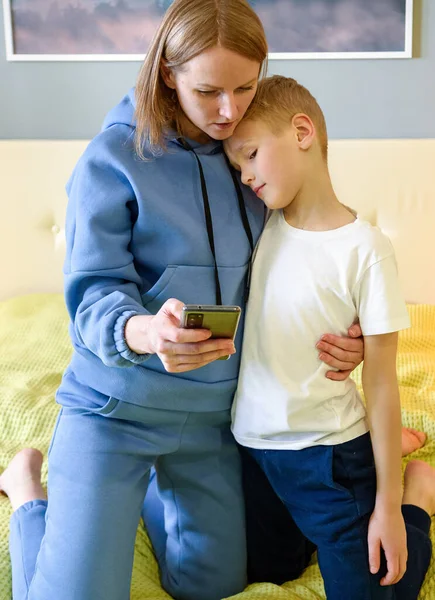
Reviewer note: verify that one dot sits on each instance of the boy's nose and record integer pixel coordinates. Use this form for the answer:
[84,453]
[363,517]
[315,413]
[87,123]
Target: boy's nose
[247,178]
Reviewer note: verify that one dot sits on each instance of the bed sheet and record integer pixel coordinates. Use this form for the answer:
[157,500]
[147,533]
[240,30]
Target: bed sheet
[34,350]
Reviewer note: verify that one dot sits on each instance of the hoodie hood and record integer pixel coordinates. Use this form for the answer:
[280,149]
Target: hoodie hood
[123,114]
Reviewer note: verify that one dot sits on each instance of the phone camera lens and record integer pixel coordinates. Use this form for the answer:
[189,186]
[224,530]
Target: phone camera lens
[194,320]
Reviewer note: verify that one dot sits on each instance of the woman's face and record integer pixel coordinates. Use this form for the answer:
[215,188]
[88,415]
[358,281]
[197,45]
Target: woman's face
[214,90]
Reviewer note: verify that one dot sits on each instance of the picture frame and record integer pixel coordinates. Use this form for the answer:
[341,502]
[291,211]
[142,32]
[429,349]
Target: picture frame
[346,24]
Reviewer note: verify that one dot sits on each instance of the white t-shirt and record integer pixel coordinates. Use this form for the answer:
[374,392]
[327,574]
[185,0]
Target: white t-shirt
[305,284]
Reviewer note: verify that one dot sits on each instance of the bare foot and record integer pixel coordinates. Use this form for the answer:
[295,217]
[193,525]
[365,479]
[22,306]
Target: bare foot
[21,480]
[412,440]
[420,486]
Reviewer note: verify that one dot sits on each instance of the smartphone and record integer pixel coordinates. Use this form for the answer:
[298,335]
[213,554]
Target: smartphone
[222,321]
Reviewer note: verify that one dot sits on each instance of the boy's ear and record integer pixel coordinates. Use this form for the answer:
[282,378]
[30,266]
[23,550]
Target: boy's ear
[305,131]
[167,75]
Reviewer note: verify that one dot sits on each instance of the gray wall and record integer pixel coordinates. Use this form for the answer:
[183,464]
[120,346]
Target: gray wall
[361,98]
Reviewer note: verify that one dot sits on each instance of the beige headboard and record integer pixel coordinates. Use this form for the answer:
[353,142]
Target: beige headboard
[389,182]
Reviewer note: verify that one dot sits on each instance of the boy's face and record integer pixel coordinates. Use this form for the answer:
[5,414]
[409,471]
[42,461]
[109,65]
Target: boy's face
[271,165]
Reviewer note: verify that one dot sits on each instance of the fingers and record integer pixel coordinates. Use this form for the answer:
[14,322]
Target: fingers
[338,375]
[336,342]
[196,352]
[167,326]
[192,349]
[344,351]
[191,352]
[173,307]
[403,564]
[396,568]
[355,330]
[340,362]
[169,317]
[341,353]
[181,363]
[175,335]
[392,572]
[181,357]
[374,555]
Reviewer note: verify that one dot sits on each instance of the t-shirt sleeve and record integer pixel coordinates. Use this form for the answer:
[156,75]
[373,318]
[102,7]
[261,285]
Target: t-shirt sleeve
[379,299]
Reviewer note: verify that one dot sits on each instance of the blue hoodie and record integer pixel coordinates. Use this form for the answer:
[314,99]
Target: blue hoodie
[136,236]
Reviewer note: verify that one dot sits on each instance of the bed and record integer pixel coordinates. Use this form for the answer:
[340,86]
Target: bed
[389,182]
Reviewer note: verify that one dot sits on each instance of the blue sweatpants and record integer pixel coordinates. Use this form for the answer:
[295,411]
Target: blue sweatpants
[79,545]
[329,492]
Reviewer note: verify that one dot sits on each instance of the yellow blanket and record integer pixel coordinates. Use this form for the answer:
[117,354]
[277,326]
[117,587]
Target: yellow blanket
[35,349]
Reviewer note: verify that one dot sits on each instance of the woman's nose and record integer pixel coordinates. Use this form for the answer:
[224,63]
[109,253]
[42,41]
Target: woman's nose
[228,107]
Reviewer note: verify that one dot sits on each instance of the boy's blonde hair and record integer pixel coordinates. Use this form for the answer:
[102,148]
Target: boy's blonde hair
[279,99]
[190,27]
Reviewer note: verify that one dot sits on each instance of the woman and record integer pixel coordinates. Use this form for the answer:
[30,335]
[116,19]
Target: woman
[155,219]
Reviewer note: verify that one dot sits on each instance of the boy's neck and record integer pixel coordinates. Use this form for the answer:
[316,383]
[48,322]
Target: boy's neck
[316,207]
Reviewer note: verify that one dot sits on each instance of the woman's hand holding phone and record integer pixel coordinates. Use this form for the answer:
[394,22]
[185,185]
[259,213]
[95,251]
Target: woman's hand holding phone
[221,320]
[178,348]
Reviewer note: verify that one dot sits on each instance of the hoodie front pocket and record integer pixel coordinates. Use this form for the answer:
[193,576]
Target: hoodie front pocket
[159,286]
[196,285]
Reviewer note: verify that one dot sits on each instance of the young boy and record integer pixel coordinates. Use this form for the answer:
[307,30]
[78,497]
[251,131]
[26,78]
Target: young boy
[335,464]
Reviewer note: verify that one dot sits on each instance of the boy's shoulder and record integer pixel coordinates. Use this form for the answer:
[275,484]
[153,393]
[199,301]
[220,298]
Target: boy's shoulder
[372,239]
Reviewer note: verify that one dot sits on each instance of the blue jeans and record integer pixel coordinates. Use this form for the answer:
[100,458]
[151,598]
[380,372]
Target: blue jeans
[329,493]
[79,545]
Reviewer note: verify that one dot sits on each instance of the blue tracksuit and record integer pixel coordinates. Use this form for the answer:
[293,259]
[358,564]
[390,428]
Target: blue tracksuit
[136,236]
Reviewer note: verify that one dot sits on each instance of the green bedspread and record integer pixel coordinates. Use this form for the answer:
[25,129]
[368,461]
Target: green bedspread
[34,350]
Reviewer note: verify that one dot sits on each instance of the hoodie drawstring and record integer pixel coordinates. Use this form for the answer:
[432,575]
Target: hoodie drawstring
[209,221]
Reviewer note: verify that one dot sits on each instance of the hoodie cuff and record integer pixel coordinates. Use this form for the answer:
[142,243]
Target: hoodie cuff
[121,343]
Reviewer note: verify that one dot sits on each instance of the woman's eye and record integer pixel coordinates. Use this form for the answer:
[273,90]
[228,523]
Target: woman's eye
[209,92]
[253,155]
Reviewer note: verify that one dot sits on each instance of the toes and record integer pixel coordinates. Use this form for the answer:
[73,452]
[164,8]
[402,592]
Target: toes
[421,436]
[412,440]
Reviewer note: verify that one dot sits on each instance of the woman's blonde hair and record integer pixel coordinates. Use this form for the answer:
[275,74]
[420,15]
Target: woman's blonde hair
[190,27]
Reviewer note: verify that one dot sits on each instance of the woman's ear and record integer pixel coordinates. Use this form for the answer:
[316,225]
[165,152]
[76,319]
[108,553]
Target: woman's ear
[167,75]
[305,131]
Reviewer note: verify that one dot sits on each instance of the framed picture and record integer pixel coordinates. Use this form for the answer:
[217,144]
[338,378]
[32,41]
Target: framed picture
[113,30]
